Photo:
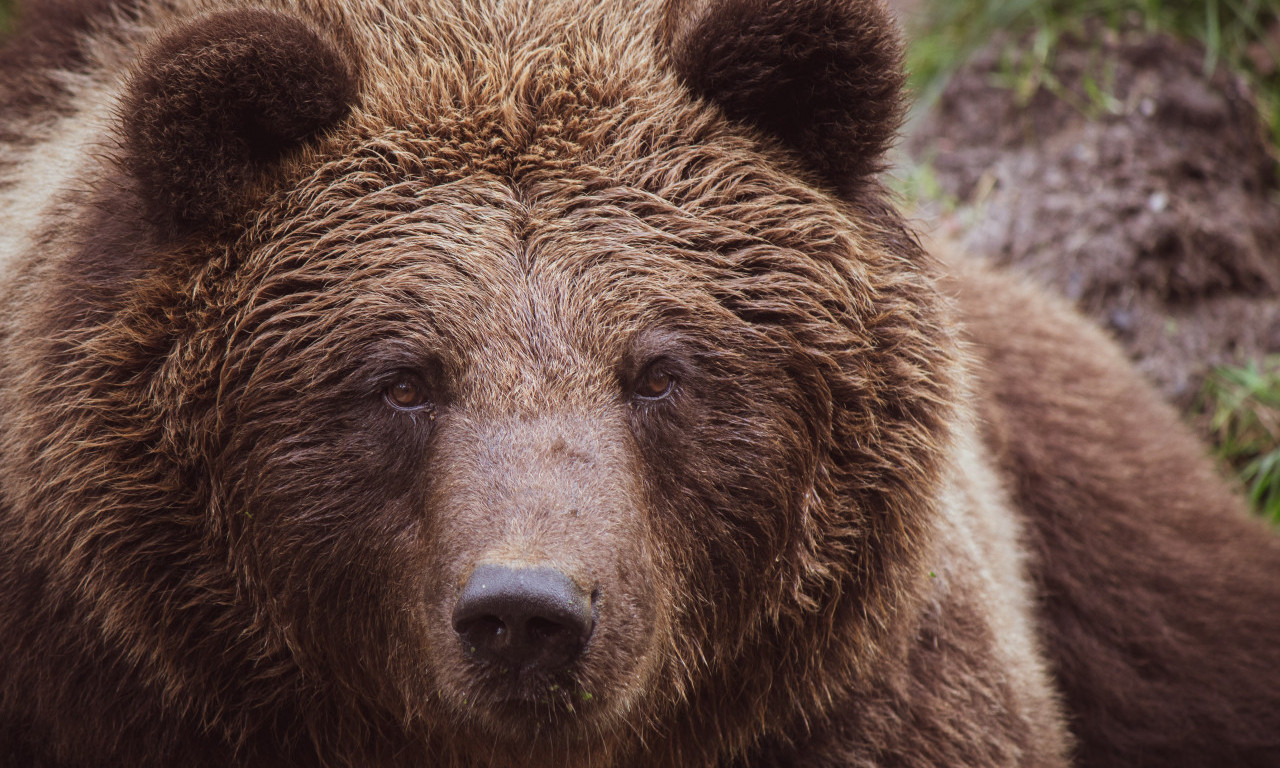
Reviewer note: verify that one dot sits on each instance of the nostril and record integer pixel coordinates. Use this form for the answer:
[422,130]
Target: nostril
[481,628]
[542,630]
[523,617]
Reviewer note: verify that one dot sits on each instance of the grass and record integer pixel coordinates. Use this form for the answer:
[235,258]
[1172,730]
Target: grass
[1239,34]
[1242,406]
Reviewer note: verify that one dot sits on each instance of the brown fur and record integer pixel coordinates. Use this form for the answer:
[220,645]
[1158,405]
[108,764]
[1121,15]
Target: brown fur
[1158,599]
[221,545]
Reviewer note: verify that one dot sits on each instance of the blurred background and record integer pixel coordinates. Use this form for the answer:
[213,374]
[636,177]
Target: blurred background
[1123,153]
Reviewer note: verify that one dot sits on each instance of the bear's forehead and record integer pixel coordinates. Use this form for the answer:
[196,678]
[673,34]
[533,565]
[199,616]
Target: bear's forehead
[526,287]
[551,275]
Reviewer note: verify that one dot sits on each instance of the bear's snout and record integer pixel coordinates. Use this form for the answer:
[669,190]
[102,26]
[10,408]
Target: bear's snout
[548,605]
[523,618]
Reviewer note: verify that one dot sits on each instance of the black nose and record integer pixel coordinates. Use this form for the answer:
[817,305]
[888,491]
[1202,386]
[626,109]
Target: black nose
[523,617]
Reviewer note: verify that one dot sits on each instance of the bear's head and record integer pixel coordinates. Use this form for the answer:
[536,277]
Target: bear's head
[539,382]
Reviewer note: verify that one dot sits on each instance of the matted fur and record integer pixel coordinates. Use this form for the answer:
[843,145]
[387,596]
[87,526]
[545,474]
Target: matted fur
[220,544]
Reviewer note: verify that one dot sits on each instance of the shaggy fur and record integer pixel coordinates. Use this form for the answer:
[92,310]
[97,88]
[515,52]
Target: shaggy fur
[829,544]
[1158,605]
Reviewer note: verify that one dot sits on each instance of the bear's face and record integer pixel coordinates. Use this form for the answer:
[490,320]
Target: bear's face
[436,377]
[582,327]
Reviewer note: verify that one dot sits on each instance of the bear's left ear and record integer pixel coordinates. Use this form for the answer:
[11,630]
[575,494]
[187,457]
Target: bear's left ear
[824,76]
[214,103]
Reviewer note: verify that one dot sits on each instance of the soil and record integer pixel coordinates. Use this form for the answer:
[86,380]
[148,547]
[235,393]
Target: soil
[1128,179]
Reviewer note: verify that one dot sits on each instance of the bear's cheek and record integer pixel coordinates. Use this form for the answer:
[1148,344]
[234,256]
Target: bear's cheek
[329,541]
[729,492]
[539,527]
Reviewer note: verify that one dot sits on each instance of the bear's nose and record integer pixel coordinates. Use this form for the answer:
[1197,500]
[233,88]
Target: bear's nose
[523,617]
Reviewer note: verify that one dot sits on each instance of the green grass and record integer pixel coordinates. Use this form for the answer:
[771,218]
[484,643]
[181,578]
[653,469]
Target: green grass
[1242,407]
[1235,34]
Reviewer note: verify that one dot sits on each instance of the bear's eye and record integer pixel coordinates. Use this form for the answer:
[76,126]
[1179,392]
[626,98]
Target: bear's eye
[655,383]
[406,392]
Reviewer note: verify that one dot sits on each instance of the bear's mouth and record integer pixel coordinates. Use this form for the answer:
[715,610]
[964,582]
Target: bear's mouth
[523,705]
[568,697]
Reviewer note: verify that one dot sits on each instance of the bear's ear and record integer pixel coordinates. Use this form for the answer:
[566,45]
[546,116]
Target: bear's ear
[824,76]
[214,103]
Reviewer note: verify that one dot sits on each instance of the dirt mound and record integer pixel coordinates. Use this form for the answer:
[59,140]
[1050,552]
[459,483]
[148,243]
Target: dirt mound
[1131,181]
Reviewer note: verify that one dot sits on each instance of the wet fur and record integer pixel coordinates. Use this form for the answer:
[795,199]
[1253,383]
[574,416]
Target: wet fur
[870,528]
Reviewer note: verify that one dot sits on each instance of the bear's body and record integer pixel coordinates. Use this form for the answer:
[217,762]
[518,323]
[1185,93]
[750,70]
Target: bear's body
[490,383]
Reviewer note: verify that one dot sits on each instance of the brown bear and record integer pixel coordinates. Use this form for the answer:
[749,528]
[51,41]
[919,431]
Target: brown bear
[479,383]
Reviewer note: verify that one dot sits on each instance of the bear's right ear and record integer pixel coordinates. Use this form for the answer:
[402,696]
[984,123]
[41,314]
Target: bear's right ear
[215,102]
[824,76]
